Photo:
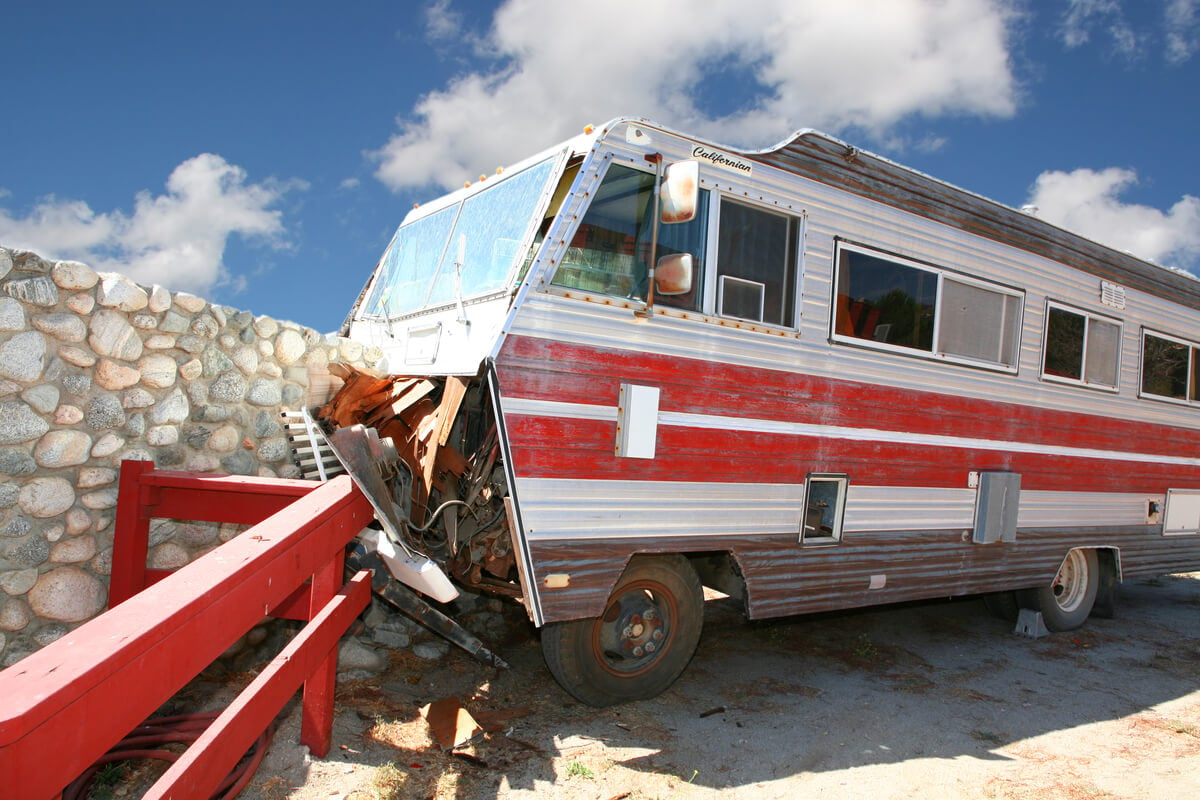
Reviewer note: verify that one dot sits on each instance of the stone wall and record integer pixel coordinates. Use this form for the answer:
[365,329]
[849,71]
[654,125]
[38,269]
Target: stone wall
[96,369]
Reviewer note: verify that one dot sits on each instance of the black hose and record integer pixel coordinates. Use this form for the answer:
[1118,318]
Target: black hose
[183,728]
[433,517]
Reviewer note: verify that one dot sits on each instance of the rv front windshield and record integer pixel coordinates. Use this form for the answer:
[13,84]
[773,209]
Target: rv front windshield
[486,231]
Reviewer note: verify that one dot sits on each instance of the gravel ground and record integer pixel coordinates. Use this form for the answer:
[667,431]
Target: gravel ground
[931,700]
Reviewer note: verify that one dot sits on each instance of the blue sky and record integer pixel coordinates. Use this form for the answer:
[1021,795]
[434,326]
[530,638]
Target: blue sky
[262,153]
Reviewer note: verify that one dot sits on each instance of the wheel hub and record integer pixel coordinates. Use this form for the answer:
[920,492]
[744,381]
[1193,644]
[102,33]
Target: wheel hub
[642,633]
[633,630]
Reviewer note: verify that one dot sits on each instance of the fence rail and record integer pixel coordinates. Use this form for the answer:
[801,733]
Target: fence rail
[68,703]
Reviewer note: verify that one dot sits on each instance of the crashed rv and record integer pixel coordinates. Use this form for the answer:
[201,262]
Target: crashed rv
[639,364]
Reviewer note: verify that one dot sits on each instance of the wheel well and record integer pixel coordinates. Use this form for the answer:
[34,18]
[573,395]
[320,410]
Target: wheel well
[1110,575]
[1109,566]
[1109,557]
[719,570]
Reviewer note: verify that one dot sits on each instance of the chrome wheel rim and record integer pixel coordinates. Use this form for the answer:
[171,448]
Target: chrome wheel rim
[1071,584]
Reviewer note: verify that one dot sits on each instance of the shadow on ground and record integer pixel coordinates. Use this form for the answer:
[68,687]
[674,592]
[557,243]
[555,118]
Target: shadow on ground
[817,696]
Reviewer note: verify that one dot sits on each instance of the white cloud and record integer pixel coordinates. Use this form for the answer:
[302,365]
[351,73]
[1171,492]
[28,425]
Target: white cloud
[1112,25]
[849,64]
[1183,29]
[1088,202]
[441,22]
[1082,16]
[176,239]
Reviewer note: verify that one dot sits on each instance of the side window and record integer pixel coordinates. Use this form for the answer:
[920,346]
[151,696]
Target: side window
[611,248]
[880,300]
[824,508]
[756,260]
[978,323]
[1081,348]
[1168,368]
[756,265]
[602,256]
[893,302]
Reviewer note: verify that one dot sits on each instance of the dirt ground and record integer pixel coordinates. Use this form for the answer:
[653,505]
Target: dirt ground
[932,700]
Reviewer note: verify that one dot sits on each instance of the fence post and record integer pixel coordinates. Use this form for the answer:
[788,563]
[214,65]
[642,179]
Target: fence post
[316,719]
[131,535]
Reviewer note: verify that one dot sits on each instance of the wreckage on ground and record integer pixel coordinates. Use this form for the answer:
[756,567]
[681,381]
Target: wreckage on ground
[639,364]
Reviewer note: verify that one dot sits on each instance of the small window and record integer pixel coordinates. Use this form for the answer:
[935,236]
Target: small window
[824,509]
[756,264]
[1081,348]
[897,303]
[1168,368]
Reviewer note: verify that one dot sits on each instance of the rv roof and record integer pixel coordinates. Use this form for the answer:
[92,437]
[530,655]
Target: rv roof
[831,161]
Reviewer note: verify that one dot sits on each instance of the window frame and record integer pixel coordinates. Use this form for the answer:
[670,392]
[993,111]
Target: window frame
[841,481]
[1193,348]
[941,274]
[707,281]
[712,280]
[373,304]
[1088,317]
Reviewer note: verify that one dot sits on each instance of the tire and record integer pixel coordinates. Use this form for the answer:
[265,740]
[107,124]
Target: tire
[640,645]
[1066,603]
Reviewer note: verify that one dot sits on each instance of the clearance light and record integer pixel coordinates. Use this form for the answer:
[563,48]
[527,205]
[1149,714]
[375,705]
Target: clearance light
[499,170]
[482,178]
[588,128]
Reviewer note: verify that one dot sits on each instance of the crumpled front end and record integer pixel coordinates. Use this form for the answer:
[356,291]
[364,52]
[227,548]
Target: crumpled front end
[428,454]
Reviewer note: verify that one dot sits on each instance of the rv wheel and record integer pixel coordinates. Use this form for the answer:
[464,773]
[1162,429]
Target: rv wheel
[1066,603]
[639,646]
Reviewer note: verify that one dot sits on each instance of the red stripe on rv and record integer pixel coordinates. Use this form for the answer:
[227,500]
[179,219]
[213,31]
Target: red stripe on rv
[552,447]
[548,370]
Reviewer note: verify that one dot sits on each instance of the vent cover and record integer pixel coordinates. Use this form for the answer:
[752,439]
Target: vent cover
[1112,295]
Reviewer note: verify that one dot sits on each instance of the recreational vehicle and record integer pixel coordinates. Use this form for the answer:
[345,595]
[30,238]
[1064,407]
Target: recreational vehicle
[639,364]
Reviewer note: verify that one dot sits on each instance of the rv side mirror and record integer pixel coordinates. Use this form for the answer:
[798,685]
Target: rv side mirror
[680,191]
[673,275]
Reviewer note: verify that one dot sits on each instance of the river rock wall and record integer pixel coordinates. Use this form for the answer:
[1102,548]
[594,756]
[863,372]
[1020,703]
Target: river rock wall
[96,369]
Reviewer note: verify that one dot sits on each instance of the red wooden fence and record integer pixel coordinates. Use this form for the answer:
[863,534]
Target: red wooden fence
[68,703]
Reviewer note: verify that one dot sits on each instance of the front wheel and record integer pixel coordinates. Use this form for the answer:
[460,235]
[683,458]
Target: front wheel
[1066,603]
[640,644]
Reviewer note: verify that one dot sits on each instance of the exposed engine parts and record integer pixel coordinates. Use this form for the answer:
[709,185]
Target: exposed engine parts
[444,489]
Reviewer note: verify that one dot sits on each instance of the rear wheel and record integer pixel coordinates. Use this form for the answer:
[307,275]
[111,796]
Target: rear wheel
[1066,603]
[640,644]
